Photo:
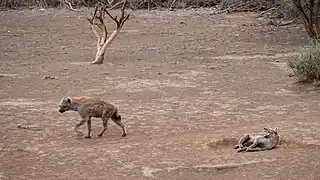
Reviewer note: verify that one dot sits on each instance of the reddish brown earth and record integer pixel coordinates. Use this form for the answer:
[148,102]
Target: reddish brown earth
[186,83]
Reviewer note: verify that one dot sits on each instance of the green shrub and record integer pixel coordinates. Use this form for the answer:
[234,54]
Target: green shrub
[307,66]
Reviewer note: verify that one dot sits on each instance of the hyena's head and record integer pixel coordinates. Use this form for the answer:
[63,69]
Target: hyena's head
[270,131]
[65,105]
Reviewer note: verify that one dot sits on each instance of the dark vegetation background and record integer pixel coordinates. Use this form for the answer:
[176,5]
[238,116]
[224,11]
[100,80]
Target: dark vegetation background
[231,5]
[274,9]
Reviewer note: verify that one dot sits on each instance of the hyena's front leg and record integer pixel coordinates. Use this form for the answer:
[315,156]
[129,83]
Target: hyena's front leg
[82,121]
[242,140]
[89,128]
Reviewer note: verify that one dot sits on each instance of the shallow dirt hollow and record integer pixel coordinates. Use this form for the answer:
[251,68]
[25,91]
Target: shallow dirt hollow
[184,82]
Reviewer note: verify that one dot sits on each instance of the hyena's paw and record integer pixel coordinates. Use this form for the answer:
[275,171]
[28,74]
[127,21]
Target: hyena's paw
[124,135]
[79,132]
[100,135]
[87,136]
[241,149]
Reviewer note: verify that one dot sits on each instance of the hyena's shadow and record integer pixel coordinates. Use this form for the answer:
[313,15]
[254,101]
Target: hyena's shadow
[111,136]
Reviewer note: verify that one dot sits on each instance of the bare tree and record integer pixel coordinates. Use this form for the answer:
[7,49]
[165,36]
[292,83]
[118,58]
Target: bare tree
[100,30]
[309,13]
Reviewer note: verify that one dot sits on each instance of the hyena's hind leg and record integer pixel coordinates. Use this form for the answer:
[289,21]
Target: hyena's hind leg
[245,138]
[254,146]
[116,118]
[249,149]
[105,118]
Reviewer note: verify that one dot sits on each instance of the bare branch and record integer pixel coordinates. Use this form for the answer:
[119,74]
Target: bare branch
[100,30]
[116,5]
[317,18]
[268,10]
[122,18]
[110,2]
[305,17]
[70,6]
[171,5]
[311,5]
[94,14]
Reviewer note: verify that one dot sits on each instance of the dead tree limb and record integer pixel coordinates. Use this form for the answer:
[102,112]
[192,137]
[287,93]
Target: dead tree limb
[268,10]
[171,5]
[100,30]
[149,2]
[308,11]
[69,5]
[317,16]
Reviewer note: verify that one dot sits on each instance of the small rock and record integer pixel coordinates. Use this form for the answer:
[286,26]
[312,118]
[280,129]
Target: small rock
[175,62]
[49,77]
[277,61]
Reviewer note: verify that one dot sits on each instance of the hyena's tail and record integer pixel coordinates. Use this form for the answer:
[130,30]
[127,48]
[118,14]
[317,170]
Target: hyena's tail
[116,115]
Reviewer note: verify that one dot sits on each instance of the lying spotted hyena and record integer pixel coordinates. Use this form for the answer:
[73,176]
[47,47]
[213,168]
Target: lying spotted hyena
[266,141]
[88,107]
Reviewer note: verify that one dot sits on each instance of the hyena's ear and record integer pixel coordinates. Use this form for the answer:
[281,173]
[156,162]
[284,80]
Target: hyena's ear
[68,99]
[276,129]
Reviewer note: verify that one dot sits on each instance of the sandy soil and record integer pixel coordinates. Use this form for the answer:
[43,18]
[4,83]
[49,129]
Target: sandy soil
[186,83]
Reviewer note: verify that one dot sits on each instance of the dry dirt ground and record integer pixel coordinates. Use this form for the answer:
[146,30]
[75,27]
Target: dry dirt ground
[187,83]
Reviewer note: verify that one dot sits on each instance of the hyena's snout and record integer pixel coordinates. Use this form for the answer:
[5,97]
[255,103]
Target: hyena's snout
[61,110]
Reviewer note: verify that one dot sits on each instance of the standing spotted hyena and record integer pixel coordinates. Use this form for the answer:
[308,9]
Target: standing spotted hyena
[88,107]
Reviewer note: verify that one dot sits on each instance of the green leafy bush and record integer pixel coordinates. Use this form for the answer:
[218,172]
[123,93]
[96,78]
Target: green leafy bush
[307,66]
